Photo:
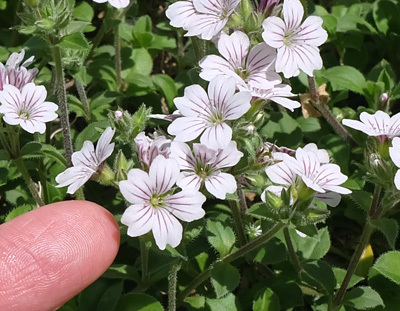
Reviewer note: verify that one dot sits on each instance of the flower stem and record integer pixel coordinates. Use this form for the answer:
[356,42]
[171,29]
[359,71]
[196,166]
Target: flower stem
[327,114]
[172,283]
[29,182]
[144,256]
[292,253]
[62,102]
[237,217]
[118,66]
[364,239]
[257,242]
[84,100]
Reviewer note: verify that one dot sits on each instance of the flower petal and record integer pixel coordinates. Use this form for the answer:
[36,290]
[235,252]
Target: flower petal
[104,149]
[139,219]
[274,31]
[307,58]
[163,174]
[311,32]
[213,65]
[234,47]
[166,229]
[75,177]
[220,90]
[281,174]
[330,198]
[194,102]
[293,12]
[236,105]
[179,12]
[220,184]
[286,62]
[217,136]
[186,205]
[394,151]
[183,155]
[227,157]
[189,179]
[86,156]
[186,128]
[138,188]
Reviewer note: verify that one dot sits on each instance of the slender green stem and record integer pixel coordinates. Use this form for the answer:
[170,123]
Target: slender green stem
[144,256]
[6,145]
[364,239]
[327,114]
[84,100]
[257,242]
[292,253]
[62,102]
[237,217]
[172,284]
[118,66]
[242,198]
[29,182]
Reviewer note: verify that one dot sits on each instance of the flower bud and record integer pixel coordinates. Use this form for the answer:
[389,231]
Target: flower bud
[304,193]
[383,98]
[105,175]
[273,201]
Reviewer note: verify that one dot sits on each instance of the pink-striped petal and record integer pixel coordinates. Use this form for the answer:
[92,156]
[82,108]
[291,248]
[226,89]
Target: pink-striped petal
[220,91]
[179,12]
[217,136]
[274,31]
[293,12]
[236,105]
[220,184]
[138,188]
[139,219]
[166,229]
[183,155]
[186,205]
[234,47]
[194,102]
[163,174]
[103,148]
[186,128]
[189,179]
[227,157]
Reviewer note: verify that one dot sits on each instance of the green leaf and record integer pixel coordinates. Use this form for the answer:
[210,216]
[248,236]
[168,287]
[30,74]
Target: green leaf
[314,247]
[386,16]
[388,265]
[389,228]
[143,24]
[18,211]
[362,298]
[139,302]
[136,60]
[197,303]
[345,78]
[288,292]
[339,148]
[122,271]
[75,41]
[220,237]
[228,303]
[84,12]
[272,252]
[166,85]
[320,275]
[266,299]
[37,150]
[110,297]
[224,278]
[309,125]
[341,273]
[362,199]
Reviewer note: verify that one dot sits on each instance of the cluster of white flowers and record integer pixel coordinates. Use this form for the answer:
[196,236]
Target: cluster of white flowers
[385,129]
[310,167]
[22,102]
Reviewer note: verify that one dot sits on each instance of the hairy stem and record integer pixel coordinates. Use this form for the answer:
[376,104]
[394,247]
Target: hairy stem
[118,66]
[364,239]
[172,284]
[63,104]
[237,217]
[257,242]
[28,180]
[82,96]
[327,114]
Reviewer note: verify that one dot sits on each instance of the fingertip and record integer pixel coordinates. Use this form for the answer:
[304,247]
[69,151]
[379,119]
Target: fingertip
[52,253]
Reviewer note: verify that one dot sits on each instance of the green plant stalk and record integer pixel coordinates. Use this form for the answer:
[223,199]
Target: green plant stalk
[6,146]
[327,114]
[292,253]
[29,182]
[144,257]
[118,66]
[62,102]
[364,240]
[257,242]
[42,175]
[172,284]
[237,217]
[84,100]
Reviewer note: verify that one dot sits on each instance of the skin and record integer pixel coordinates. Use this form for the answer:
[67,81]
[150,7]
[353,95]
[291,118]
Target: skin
[49,255]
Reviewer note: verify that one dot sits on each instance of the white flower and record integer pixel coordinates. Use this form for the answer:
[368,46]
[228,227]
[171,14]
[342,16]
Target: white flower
[379,125]
[203,18]
[310,165]
[27,107]
[394,153]
[86,162]
[119,4]
[252,67]
[16,74]
[205,167]
[149,148]
[154,207]
[297,43]
[208,113]
[279,94]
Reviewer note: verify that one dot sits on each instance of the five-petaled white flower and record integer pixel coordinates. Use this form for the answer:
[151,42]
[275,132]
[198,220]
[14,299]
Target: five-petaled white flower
[208,113]
[278,94]
[205,167]
[252,67]
[16,74]
[297,43]
[86,162]
[149,148]
[203,18]
[310,165]
[27,107]
[394,152]
[379,125]
[119,4]
[154,207]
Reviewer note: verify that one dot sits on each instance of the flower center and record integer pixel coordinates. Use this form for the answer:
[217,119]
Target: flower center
[288,39]
[24,115]
[203,171]
[242,72]
[156,201]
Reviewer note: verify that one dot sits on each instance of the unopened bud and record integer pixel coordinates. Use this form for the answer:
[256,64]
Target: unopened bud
[273,201]
[383,98]
[118,115]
